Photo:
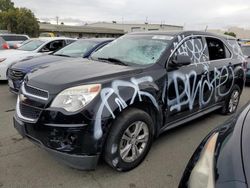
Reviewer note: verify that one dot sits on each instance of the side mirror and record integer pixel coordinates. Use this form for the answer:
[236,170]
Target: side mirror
[181,60]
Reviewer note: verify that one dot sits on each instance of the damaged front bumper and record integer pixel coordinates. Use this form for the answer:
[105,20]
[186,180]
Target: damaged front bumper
[72,145]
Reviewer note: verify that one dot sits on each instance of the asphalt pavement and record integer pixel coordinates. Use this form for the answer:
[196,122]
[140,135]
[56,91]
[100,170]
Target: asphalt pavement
[23,164]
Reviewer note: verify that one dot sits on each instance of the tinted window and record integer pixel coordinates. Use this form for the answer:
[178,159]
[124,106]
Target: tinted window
[135,49]
[31,45]
[77,49]
[14,38]
[194,48]
[217,49]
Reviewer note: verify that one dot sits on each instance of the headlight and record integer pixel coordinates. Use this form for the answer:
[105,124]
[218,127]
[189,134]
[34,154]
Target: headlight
[202,174]
[2,59]
[75,98]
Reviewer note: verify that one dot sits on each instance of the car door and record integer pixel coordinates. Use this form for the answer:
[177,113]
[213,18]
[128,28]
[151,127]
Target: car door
[185,92]
[221,69]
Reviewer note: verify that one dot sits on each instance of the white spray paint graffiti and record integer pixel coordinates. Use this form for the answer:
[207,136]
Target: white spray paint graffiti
[193,47]
[236,50]
[193,87]
[107,93]
[190,91]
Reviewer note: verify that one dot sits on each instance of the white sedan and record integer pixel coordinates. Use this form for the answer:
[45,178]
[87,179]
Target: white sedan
[31,48]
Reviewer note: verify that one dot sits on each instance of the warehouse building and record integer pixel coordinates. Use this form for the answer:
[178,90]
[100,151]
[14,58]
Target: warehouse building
[103,29]
[127,27]
[79,31]
[241,33]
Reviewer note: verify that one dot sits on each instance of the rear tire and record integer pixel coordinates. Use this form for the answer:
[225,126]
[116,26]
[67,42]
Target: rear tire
[129,140]
[232,101]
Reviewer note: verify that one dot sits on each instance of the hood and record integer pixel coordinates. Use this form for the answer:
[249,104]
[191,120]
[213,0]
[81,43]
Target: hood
[57,76]
[11,52]
[35,62]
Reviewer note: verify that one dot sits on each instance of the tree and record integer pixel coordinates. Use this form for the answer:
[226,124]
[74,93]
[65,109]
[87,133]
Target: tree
[230,34]
[5,5]
[27,22]
[18,20]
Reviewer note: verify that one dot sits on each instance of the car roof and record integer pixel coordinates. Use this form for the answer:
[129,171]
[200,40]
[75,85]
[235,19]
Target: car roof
[10,34]
[97,39]
[180,33]
[52,38]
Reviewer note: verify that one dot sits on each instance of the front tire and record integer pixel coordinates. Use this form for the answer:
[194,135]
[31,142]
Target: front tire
[129,140]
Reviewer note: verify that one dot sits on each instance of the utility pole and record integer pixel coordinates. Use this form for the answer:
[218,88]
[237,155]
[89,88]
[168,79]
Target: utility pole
[57,27]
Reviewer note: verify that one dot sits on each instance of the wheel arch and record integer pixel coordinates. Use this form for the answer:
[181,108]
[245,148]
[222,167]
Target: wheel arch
[239,77]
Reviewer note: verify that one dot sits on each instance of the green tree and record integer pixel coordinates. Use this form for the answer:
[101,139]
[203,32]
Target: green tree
[19,20]
[232,34]
[27,22]
[5,5]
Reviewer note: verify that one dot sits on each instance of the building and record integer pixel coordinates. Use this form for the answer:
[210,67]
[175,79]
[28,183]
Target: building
[79,31]
[241,33]
[126,27]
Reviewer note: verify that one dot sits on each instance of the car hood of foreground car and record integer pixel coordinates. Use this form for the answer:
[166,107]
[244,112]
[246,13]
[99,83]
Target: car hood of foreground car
[35,62]
[61,75]
[231,155]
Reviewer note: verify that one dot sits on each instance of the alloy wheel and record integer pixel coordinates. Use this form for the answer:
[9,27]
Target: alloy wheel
[134,141]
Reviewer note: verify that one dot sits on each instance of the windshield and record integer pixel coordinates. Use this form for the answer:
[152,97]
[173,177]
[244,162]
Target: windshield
[77,49]
[134,49]
[246,50]
[31,45]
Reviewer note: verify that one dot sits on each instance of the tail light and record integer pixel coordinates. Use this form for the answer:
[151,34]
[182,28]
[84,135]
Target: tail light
[5,46]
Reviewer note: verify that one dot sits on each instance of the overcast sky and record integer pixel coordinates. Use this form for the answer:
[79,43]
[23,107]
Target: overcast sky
[195,14]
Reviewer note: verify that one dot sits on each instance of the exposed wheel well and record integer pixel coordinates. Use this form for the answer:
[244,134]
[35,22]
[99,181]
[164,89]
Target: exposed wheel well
[239,80]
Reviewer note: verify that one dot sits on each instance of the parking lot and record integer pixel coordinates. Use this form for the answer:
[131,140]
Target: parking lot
[23,164]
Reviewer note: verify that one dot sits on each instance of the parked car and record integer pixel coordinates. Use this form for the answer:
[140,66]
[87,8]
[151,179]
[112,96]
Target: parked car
[14,40]
[246,52]
[128,93]
[82,48]
[47,34]
[34,47]
[221,160]
[3,44]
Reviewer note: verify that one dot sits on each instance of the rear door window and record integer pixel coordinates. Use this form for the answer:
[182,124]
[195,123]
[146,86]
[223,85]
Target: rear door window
[217,49]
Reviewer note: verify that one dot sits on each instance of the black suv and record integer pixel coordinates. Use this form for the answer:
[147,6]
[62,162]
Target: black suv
[128,93]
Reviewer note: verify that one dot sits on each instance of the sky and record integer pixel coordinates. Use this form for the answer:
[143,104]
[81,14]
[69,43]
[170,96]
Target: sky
[192,14]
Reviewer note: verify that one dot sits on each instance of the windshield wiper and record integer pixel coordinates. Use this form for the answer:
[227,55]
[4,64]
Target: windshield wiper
[113,60]
[63,55]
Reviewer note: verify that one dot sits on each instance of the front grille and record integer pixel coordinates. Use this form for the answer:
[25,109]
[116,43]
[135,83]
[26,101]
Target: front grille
[29,111]
[30,103]
[36,92]
[16,74]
